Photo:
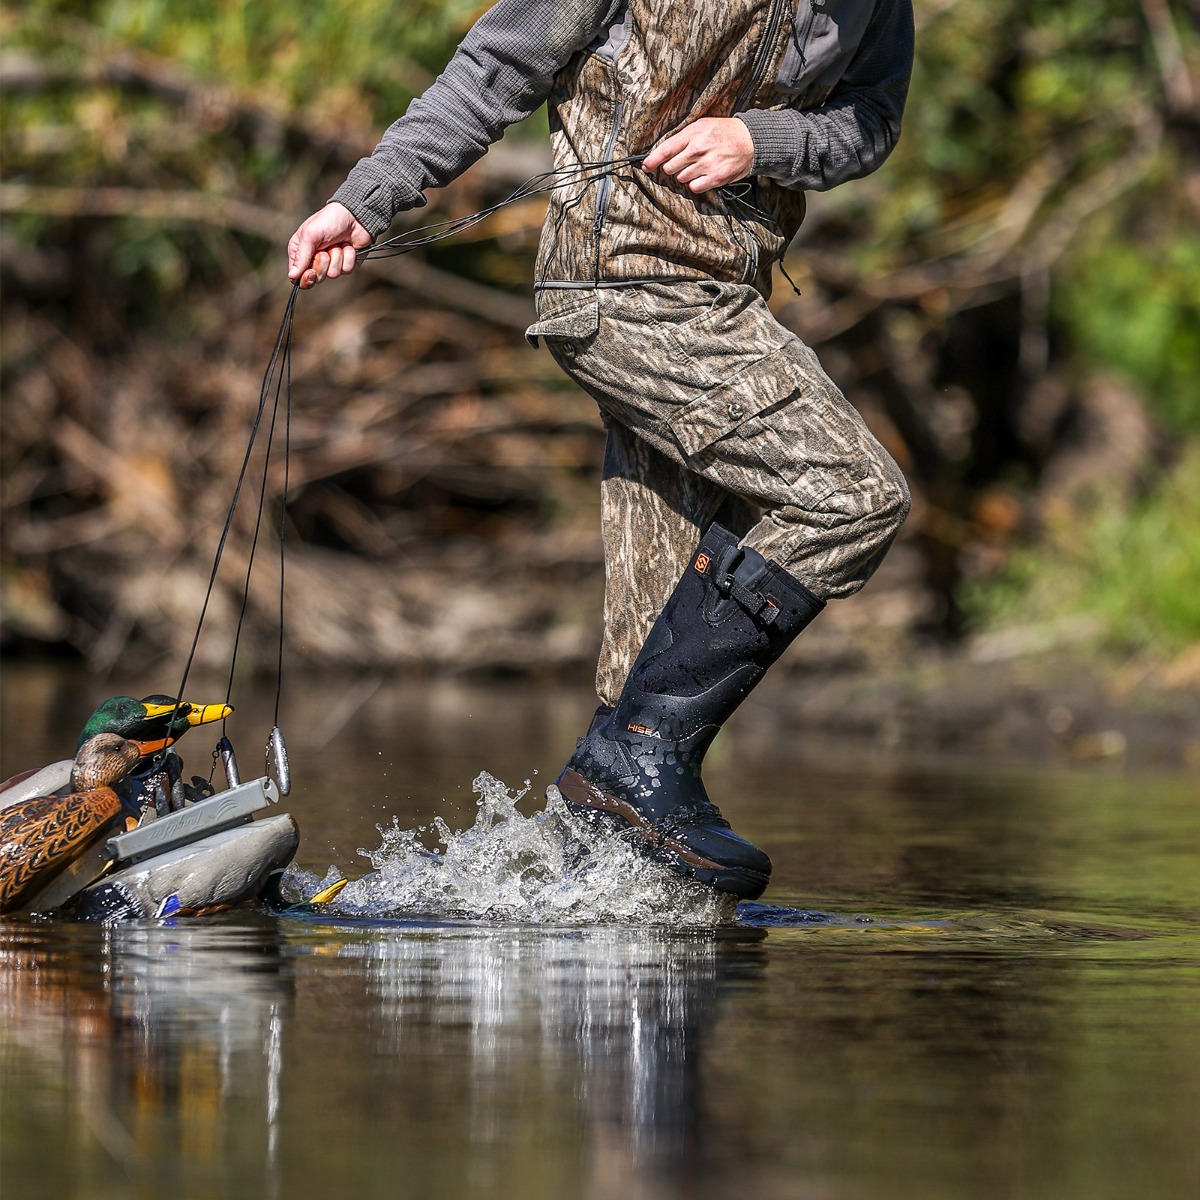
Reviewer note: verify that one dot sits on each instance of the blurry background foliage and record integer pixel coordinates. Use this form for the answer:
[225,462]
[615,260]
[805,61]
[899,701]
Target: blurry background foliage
[1013,302]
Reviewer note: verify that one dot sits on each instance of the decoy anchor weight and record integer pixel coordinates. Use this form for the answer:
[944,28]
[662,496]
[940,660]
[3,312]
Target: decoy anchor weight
[162,797]
[277,757]
[229,762]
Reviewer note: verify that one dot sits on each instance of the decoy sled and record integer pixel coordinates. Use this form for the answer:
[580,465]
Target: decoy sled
[122,836]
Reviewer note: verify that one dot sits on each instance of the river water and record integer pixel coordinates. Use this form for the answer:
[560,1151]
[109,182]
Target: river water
[966,980]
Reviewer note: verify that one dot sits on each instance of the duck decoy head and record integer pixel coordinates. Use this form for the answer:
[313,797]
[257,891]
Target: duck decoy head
[151,718]
[105,760]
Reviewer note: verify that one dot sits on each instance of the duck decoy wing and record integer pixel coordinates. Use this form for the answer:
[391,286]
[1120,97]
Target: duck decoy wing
[40,781]
[42,836]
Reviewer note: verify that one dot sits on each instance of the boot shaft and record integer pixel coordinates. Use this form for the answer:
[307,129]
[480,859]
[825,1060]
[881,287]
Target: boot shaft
[731,615]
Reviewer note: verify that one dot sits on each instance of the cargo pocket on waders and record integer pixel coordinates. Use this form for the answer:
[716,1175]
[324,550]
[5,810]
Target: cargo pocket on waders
[567,321]
[759,422]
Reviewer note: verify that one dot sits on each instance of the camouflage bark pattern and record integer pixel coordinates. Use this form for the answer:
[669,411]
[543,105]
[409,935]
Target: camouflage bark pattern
[652,515]
[659,67]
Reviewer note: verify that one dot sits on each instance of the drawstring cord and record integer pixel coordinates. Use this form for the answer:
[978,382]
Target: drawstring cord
[276,381]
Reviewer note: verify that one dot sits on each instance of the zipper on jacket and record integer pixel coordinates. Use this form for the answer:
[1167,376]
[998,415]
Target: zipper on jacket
[605,186]
[751,253]
[760,58]
[756,74]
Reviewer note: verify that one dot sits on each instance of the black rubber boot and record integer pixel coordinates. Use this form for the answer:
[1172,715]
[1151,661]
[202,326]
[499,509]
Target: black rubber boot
[602,713]
[729,618]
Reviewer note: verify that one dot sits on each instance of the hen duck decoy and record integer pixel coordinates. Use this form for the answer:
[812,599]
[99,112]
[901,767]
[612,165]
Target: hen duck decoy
[152,719]
[42,835]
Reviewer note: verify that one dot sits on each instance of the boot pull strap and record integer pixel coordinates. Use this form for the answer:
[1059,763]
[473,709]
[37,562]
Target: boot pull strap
[726,581]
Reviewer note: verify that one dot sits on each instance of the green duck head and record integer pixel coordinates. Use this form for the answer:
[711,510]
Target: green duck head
[150,719]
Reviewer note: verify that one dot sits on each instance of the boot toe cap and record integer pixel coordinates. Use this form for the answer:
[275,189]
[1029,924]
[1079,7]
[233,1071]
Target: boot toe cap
[732,863]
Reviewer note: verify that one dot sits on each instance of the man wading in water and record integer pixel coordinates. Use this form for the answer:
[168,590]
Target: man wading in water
[740,490]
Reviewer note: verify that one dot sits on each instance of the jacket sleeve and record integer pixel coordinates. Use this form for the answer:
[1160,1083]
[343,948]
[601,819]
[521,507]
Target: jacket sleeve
[851,134]
[502,71]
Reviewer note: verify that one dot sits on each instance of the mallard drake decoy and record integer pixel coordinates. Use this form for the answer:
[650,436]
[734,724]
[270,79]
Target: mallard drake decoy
[42,835]
[152,719]
[165,721]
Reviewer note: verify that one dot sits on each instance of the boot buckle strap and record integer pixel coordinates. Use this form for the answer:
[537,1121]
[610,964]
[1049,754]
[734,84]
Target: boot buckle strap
[757,604]
[725,580]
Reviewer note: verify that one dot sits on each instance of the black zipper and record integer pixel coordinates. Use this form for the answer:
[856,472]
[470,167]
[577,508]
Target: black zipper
[604,189]
[605,186]
[800,36]
[760,59]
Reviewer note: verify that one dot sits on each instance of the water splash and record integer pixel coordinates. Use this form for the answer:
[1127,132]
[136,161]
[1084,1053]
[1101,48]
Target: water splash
[549,868]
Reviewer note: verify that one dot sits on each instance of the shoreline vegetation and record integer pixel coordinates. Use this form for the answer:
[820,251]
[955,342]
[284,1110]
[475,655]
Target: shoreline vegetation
[1011,303]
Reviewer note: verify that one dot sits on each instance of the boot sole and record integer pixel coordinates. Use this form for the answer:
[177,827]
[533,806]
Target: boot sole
[587,800]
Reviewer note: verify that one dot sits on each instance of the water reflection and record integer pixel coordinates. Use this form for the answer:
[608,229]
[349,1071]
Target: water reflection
[194,1056]
[135,1045]
[248,1056]
[620,1013]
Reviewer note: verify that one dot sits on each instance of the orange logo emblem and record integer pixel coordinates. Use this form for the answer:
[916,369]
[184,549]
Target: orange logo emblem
[644,730]
[702,561]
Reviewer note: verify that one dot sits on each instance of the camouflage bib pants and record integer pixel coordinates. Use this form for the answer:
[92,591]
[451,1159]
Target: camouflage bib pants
[714,411]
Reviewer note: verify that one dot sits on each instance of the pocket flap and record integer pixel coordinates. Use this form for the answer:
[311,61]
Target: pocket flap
[720,410]
[833,31]
[573,317]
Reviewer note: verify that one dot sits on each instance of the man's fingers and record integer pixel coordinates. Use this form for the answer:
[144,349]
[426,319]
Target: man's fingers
[700,168]
[317,271]
[326,245]
[326,264]
[341,260]
[297,260]
[680,162]
[686,153]
[666,149]
[706,154]
[302,249]
[703,177]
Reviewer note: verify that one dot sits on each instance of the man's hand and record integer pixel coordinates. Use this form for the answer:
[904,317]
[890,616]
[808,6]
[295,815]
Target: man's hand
[325,245]
[706,154]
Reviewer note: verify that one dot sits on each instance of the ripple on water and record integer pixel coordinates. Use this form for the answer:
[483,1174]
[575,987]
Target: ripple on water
[548,868]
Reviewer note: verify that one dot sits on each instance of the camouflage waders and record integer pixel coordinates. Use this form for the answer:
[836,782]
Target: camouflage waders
[716,412]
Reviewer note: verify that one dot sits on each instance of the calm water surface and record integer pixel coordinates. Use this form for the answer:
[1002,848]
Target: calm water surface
[965,981]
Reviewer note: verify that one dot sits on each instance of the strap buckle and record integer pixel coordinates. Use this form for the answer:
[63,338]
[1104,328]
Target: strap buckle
[725,580]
